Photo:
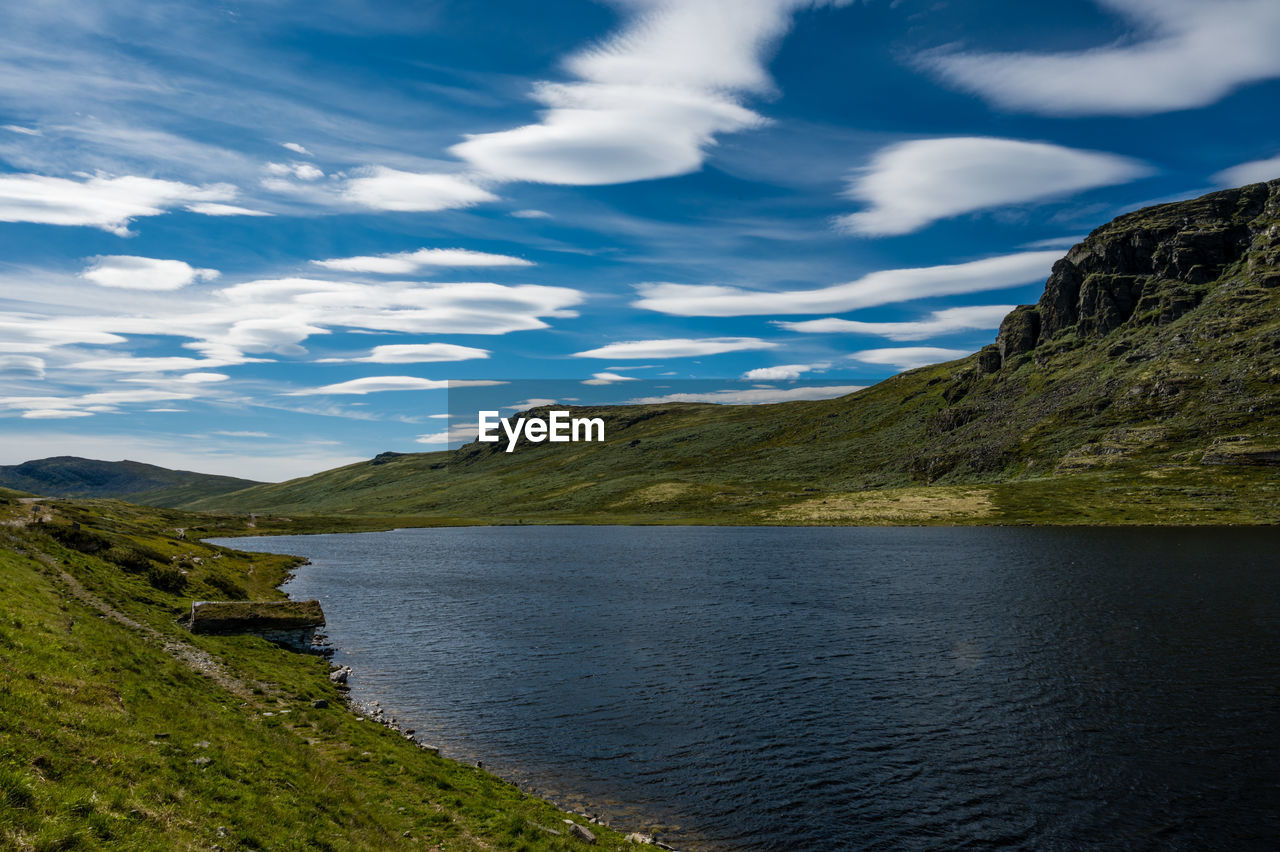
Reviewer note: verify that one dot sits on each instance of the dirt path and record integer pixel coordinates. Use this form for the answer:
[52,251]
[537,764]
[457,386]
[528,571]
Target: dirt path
[194,658]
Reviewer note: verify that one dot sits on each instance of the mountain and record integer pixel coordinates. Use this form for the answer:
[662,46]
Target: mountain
[69,476]
[1143,387]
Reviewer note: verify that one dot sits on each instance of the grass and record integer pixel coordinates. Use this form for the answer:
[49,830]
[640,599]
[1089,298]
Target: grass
[111,739]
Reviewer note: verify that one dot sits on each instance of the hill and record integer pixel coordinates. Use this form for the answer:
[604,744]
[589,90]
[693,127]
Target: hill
[1143,387]
[149,485]
[120,729]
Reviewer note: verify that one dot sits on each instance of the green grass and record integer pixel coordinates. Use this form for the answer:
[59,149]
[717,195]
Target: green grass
[109,741]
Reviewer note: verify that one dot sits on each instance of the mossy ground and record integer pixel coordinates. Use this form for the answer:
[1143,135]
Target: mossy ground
[110,739]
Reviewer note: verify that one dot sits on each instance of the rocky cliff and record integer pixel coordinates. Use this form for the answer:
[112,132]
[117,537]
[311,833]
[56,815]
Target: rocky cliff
[1153,266]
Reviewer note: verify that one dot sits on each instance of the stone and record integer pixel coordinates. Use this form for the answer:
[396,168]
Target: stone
[1019,332]
[340,676]
[320,704]
[581,832]
[637,837]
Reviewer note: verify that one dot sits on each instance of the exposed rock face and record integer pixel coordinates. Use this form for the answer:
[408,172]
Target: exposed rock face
[1019,332]
[1158,258]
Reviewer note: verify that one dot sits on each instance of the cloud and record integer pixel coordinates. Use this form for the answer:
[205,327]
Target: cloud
[414,353]
[144,273]
[912,184]
[242,434]
[1257,171]
[212,209]
[24,131]
[25,333]
[530,214]
[939,322]
[382,188]
[782,371]
[753,396]
[608,379]
[130,364]
[301,171]
[103,402]
[408,262]
[675,348]
[648,101]
[54,414]
[296,148]
[109,203]
[378,384]
[877,288]
[203,378]
[22,365]
[1191,54]
[908,357]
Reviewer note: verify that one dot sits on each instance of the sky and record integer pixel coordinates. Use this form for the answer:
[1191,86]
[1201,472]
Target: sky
[261,238]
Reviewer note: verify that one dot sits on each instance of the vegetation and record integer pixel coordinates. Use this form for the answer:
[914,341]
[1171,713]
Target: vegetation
[69,476]
[119,729]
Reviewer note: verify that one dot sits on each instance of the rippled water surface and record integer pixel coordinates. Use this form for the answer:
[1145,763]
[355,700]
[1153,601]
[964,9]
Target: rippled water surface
[763,688]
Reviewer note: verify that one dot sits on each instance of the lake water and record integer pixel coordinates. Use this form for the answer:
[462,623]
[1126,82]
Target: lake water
[835,688]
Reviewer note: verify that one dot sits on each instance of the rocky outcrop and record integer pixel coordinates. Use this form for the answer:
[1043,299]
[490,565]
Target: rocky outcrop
[1152,266]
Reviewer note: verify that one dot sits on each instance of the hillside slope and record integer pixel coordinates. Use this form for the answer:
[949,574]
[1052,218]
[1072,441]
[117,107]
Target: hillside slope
[121,730]
[1143,387]
[69,476]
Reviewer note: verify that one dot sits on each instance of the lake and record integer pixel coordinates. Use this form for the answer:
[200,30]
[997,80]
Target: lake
[834,688]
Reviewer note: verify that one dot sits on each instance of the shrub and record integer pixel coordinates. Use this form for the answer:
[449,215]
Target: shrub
[166,578]
[228,588]
[78,538]
[131,559]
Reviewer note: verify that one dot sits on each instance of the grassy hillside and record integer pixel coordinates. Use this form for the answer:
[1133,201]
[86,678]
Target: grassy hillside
[119,729]
[147,484]
[1144,388]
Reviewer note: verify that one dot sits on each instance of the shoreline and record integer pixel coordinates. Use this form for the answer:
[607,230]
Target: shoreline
[371,711]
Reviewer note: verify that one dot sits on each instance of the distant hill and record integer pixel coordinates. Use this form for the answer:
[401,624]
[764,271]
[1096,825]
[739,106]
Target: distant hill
[1144,387]
[69,476]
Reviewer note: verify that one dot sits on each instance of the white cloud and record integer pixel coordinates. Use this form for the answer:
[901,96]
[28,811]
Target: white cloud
[242,434]
[408,262]
[109,203]
[608,379]
[203,378]
[23,131]
[1192,53]
[296,148]
[877,288]
[130,364]
[1257,171]
[782,371]
[25,333]
[679,347]
[377,384]
[753,396]
[212,209]
[382,188]
[911,184]
[939,322]
[22,365]
[54,414]
[301,171]
[144,273]
[649,100]
[908,357]
[460,434]
[530,214]
[414,353]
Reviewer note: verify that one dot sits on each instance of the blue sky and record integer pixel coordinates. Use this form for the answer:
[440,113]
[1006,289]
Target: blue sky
[258,237]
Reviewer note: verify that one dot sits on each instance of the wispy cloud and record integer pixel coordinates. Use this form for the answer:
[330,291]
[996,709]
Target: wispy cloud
[912,184]
[908,357]
[378,384]
[649,100]
[1191,54]
[680,347]
[608,378]
[939,322]
[877,288]
[1256,171]
[144,273]
[408,262]
[414,353]
[382,188]
[109,203]
[782,371]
